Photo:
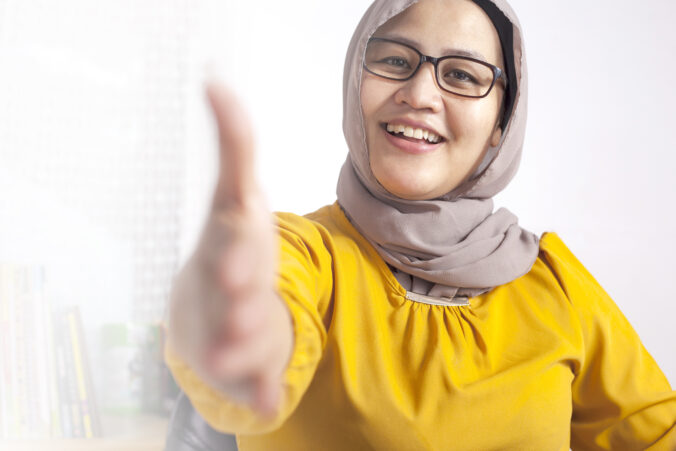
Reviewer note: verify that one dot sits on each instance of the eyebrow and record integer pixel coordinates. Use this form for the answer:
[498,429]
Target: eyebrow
[446,52]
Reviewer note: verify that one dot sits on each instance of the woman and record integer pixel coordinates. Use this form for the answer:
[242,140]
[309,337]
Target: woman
[409,315]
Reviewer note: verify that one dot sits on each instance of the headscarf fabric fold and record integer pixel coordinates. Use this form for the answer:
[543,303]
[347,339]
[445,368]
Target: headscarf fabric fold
[455,245]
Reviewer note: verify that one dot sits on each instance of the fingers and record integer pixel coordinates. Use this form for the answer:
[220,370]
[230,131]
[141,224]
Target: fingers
[236,178]
[243,341]
[253,350]
[246,363]
[245,317]
[243,359]
[238,269]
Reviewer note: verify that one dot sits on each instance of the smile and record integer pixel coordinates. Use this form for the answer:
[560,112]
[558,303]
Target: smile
[407,141]
[413,132]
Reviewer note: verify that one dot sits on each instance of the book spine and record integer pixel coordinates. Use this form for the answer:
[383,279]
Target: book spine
[71,380]
[29,405]
[38,356]
[20,427]
[10,372]
[62,375]
[78,365]
[5,325]
[92,404]
[51,377]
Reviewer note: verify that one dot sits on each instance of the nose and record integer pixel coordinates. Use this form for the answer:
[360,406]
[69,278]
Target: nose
[421,92]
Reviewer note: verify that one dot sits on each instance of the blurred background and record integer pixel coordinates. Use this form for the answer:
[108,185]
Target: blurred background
[108,157]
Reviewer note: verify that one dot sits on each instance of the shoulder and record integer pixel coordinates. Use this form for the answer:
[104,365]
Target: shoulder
[561,261]
[583,291]
[554,250]
[319,222]
[327,227]
[309,231]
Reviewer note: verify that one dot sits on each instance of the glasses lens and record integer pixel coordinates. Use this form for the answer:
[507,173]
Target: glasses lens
[391,60]
[465,77]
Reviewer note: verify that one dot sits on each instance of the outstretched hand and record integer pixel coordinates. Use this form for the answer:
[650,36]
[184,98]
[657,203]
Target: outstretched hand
[248,336]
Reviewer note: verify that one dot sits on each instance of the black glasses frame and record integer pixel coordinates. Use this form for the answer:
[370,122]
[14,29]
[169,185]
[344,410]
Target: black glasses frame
[498,74]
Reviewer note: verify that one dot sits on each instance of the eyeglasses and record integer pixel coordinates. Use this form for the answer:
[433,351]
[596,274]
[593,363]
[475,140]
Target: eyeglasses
[461,75]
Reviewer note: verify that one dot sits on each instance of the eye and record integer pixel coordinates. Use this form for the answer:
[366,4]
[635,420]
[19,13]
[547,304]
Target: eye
[459,75]
[396,61]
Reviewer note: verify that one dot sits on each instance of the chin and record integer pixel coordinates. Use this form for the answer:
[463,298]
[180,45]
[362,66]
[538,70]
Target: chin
[410,192]
[406,182]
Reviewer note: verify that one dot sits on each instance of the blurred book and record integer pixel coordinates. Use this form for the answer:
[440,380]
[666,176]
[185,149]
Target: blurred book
[46,388]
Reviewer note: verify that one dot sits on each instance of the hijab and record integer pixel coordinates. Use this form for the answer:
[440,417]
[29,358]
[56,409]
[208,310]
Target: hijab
[454,246]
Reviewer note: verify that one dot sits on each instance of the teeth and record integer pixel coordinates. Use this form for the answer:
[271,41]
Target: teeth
[417,133]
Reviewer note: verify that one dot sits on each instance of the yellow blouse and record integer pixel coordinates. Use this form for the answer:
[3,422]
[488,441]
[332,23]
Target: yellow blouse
[545,362]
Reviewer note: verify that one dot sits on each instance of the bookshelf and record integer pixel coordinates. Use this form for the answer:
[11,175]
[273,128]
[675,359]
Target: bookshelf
[139,432]
[48,398]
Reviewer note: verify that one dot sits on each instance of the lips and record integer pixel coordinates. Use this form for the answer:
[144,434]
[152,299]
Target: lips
[409,144]
[412,128]
[411,132]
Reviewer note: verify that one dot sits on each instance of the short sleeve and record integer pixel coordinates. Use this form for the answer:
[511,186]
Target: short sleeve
[621,398]
[304,284]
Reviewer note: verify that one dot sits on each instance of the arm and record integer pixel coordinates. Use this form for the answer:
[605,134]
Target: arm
[304,283]
[244,333]
[621,399]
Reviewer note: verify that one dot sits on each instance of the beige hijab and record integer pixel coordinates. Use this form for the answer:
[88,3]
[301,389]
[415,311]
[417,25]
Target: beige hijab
[454,246]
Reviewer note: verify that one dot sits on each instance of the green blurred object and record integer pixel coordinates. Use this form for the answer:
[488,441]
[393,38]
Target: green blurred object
[135,376]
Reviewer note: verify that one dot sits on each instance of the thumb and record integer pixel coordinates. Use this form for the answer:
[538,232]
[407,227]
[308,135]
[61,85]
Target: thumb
[236,175]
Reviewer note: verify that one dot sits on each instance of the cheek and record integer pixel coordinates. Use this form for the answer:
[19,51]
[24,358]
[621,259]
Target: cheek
[369,99]
[375,95]
[470,120]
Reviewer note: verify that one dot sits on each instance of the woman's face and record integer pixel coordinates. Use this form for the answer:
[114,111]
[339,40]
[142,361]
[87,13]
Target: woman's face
[416,169]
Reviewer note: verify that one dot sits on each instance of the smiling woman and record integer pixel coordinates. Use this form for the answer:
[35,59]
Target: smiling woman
[409,314]
[467,127]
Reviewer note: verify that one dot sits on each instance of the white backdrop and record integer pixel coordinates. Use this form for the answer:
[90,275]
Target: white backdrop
[599,154]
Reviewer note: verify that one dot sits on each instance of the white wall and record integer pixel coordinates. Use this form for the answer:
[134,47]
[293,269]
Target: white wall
[91,141]
[599,153]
